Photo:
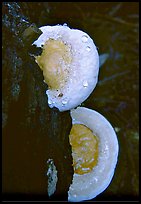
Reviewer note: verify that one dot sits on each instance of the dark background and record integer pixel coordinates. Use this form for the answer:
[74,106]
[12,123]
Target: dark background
[32,132]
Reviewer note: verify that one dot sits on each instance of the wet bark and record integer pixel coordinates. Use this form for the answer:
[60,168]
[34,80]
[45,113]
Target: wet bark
[32,132]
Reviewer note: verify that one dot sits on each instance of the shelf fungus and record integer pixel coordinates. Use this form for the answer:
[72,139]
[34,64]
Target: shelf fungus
[95,153]
[70,65]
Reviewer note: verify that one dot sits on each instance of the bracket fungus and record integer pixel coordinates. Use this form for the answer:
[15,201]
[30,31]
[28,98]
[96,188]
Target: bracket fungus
[94,158]
[70,65]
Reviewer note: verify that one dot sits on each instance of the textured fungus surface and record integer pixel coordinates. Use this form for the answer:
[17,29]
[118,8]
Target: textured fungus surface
[54,61]
[70,64]
[84,148]
[100,161]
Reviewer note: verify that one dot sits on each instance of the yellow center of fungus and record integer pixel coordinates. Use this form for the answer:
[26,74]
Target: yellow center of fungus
[55,62]
[84,148]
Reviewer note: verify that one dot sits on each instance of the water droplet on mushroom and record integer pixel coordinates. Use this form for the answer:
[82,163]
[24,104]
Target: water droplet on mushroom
[106,147]
[85,83]
[84,38]
[64,101]
[73,120]
[96,179]
[65,24]
[88,48]
[49,101]
[60,95]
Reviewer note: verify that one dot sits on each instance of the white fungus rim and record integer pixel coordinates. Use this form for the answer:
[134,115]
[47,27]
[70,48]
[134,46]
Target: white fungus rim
[88,186]
[84,68]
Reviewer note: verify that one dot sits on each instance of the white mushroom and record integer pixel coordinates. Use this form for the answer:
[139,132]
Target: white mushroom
[88,185]
[70,65]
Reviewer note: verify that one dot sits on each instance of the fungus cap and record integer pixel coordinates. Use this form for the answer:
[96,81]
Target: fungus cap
[70,65]
[88,185]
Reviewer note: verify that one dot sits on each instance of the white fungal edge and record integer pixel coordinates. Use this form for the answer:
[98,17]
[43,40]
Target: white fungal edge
[84,67]
[88,186]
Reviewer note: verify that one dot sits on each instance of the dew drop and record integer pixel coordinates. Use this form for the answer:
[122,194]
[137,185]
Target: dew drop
[106,147]
[65,24]
[60,94]
[85,83]
[88,48]
[49,101]
[73,121]
[64,101]
[84,38]
[95,179]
